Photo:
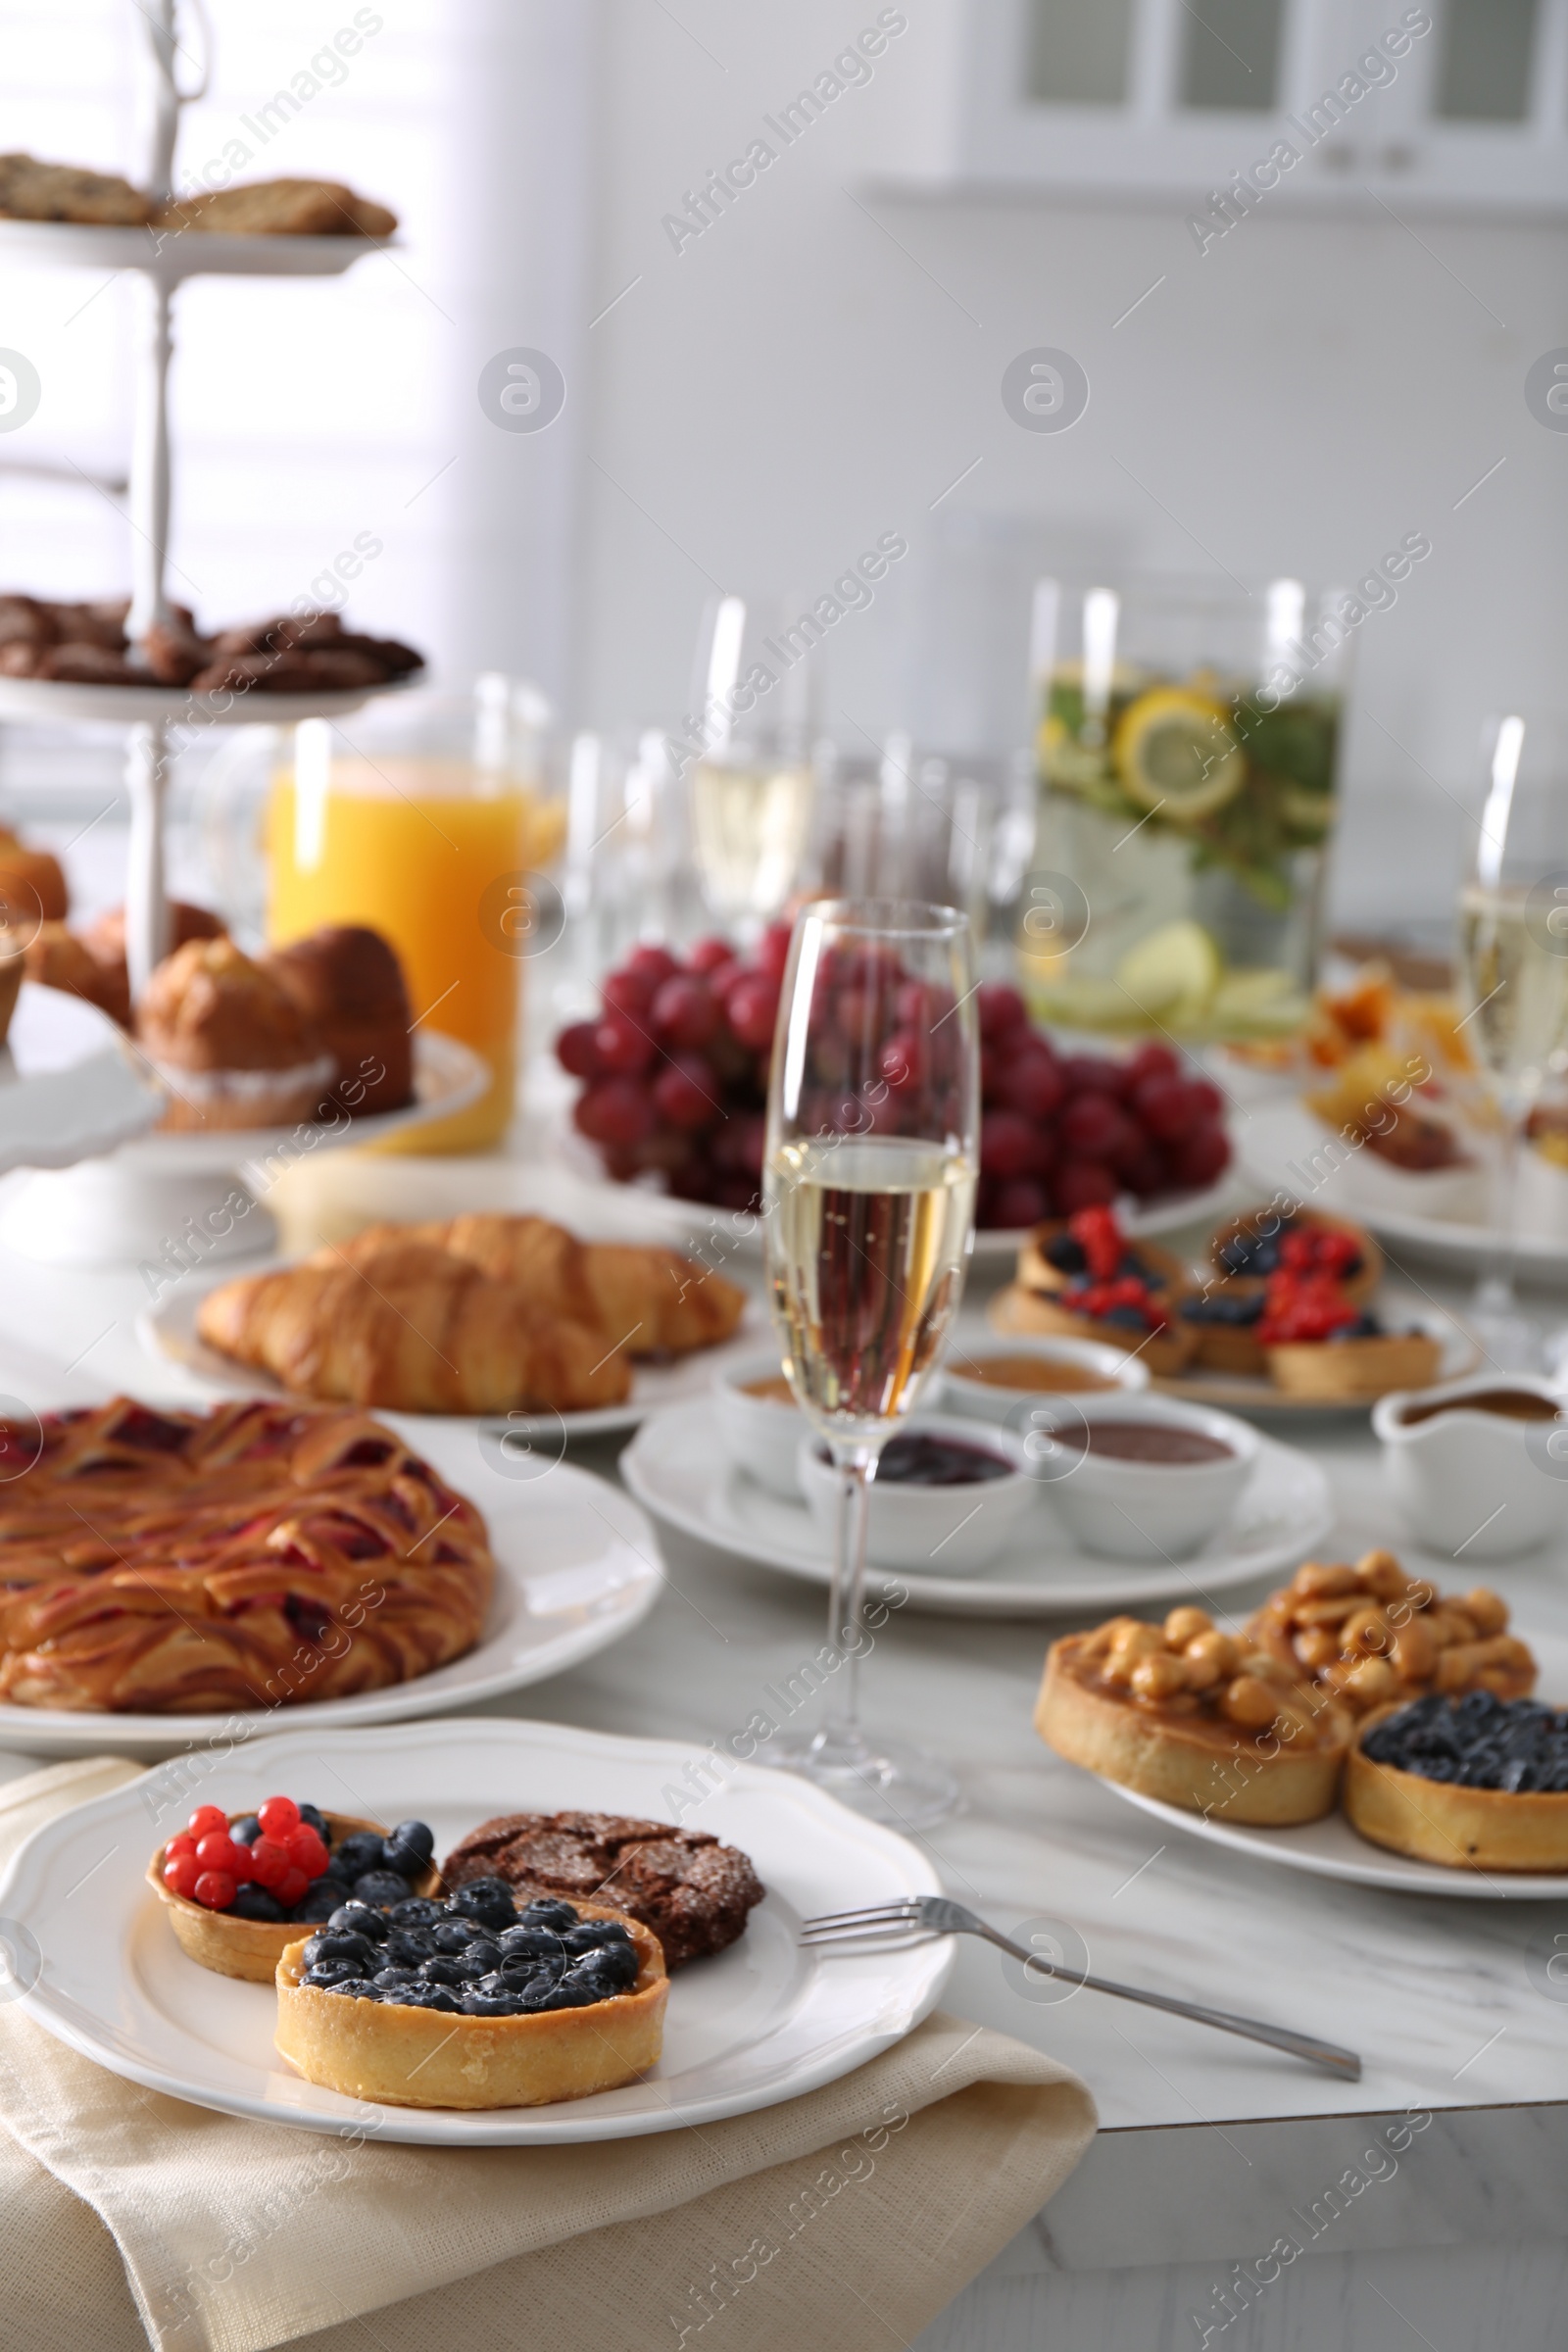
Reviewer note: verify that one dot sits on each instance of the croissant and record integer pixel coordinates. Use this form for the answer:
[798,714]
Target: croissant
[156,1561]
[415,1330]
[644,1301]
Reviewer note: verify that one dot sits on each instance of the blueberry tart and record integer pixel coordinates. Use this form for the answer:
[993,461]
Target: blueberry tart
[239,1889]
[473,2003]
[1478,1783]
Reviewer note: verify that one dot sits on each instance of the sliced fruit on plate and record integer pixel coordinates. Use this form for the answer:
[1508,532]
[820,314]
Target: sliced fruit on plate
[1175,751]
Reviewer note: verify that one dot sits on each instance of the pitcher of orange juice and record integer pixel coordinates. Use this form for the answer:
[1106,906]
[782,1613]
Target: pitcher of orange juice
[415,817]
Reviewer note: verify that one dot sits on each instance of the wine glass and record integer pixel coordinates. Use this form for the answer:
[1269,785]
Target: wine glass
[756,695]
[1513,977]
[870,1189]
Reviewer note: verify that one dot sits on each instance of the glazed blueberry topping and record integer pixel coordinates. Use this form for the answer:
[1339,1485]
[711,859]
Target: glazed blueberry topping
[246,1832]
[1478,1742]
[1365,1327]
[415,1911]
[317,1821]
[361,1919]
[549,1959]
[1235,1310]
[318,1902]
[1066,1254]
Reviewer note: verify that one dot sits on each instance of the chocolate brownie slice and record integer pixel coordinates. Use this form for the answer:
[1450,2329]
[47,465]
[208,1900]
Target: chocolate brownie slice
[693,1893]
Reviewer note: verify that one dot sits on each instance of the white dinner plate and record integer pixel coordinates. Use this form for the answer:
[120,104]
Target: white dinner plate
[170,1332]
[578,1567]
[677,1468]
[762,2022]
[1286,1150]
[1331,1850]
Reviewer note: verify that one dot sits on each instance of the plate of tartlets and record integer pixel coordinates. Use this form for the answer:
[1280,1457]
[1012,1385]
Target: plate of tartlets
[1280,1315]
[1427,1763]
[760,2020]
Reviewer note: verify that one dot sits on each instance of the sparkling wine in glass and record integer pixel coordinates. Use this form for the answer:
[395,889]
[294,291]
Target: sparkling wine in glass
[869,1188]
[1513,977]
[752,782]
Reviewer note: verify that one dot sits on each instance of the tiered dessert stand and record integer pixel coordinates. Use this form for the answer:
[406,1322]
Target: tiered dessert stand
[119,1209]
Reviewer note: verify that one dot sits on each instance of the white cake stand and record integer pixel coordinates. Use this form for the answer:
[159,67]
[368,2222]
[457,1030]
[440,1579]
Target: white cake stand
[68,1087]
[169,1201]
[161,259]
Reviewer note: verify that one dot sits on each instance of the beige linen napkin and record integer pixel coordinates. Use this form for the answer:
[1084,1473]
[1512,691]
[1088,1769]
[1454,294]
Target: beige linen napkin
[846,2217]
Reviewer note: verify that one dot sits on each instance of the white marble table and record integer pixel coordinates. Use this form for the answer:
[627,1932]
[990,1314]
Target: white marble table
[1211,2150]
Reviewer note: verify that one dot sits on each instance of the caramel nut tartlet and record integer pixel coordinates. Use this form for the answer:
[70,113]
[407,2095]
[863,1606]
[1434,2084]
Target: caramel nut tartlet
[1190,1715]
[1376,1638]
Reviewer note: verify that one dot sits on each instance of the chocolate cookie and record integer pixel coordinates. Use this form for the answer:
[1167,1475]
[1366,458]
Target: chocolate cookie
[692,1891]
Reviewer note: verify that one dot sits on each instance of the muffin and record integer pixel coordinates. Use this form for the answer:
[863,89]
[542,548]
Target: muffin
[230,1041]
[32,885]
[348,985]
[57,959]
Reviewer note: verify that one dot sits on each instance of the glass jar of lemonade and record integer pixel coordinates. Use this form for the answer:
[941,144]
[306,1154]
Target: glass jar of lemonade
[1188,751]
[404,817]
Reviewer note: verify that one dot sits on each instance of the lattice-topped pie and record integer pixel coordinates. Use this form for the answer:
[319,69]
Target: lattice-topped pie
[1192,1715]
[256,1555]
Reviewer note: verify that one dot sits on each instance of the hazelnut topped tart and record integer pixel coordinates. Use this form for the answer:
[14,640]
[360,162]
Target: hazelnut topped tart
[1196,1717]
[1375,1636]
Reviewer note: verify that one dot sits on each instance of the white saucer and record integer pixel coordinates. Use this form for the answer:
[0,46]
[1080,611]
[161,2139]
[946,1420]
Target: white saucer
[69,1088]
[1331,1850]
[762,2022]
[676,1468]
[170,1332]
[578,1567]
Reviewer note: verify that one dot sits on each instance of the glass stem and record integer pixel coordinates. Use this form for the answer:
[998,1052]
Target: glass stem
[845,1627]
[1497,1292]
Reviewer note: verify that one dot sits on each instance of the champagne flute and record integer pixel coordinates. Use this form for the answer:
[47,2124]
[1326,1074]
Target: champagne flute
[756,689]
[869,1187]
[1513,976]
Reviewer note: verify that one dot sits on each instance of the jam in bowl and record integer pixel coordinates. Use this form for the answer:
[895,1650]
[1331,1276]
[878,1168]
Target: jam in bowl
[946,1499]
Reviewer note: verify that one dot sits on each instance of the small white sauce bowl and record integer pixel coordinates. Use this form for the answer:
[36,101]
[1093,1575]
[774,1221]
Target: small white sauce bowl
[1474,1484]
[930,1530]
[760,1435]
[1131,1510]
[984,1401]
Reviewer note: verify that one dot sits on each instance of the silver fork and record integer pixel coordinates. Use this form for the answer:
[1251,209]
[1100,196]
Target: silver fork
[934,1915]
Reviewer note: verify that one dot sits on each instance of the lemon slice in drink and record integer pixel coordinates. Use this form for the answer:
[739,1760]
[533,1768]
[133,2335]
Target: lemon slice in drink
[1173,974]
[1175,751]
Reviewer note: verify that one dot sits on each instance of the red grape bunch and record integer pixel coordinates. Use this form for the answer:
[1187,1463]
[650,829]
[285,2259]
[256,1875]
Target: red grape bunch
[676,1066]
[1063,1132]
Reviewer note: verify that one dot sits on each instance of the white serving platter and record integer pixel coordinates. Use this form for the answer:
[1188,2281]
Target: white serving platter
[577,1566]
[168,1332]
[69,1088]
[1286,1150]
[1331,1850]
[677,1469]
[178,254]
[762,2022]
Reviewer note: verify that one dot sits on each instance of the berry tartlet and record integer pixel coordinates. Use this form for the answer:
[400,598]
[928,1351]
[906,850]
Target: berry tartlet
[240,1888]
[1085,1280]
[1261,1241]
[1282,1281]
[1377,1637]
[1478,1783]
[471,2003]
[1189,1714]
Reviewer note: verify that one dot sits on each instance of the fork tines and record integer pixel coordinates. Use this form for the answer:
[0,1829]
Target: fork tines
[836,1924]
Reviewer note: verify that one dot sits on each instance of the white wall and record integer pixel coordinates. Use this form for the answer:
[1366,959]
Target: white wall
[824,359]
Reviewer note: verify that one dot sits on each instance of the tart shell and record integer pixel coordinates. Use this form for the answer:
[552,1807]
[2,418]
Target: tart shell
[1202,1764]
[403,2057]
[1350,1368]
[1459,1829]
[251,1947]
